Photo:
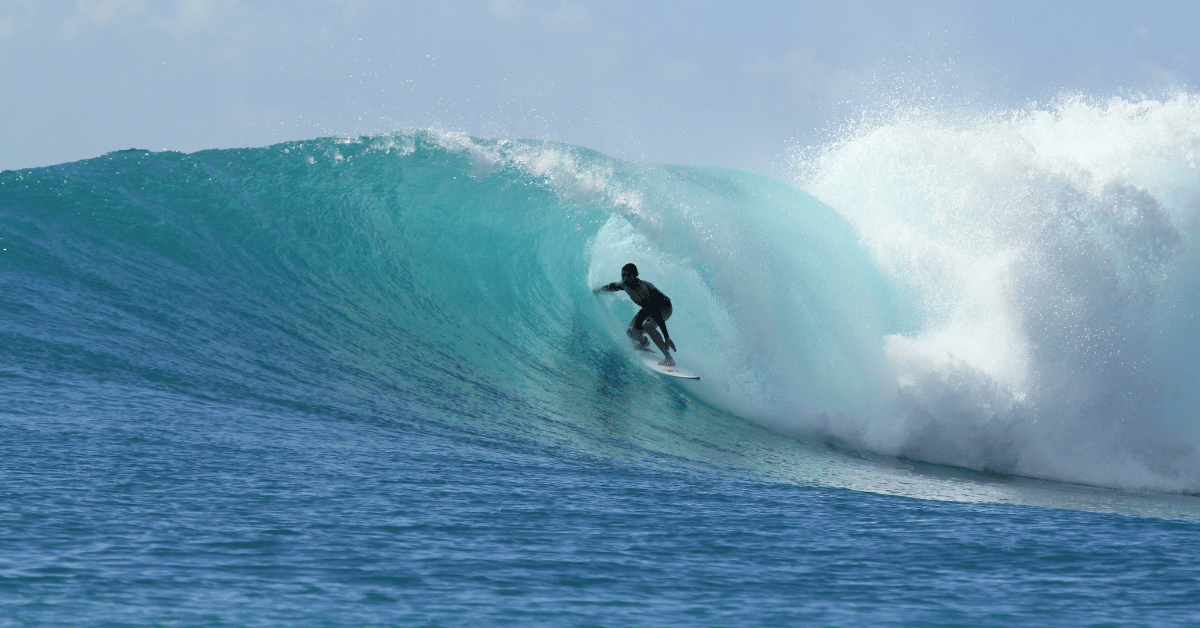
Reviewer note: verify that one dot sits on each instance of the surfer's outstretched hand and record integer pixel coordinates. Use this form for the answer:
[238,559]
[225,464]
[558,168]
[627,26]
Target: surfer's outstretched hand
[670,344]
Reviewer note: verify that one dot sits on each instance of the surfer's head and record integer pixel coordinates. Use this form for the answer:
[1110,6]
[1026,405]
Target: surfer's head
[628,271]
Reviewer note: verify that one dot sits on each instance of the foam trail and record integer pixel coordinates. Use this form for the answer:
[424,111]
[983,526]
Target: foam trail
[1049,255]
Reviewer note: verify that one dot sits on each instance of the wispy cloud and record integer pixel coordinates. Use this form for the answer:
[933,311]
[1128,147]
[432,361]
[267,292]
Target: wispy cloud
[180,18]
[193,16]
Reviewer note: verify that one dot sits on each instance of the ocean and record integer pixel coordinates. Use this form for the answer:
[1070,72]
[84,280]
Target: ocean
[950,376]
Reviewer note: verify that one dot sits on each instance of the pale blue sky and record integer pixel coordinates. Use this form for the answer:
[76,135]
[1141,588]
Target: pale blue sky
[731,84]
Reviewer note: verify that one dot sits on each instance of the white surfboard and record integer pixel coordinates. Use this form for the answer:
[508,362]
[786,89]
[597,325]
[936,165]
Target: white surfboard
[652,362]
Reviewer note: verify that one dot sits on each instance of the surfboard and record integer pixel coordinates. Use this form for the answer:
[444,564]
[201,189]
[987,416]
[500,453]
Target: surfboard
[651,361]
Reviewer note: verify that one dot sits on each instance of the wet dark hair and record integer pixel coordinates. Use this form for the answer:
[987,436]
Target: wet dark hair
[630,268]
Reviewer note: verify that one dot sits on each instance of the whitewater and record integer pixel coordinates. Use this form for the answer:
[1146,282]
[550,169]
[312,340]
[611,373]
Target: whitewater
[949,376]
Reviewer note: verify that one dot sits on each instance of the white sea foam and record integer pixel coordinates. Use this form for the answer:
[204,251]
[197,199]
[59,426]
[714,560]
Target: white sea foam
[1046,253]
[572,174]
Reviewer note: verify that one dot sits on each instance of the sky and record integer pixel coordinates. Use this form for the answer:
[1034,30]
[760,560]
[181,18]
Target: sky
[732,84]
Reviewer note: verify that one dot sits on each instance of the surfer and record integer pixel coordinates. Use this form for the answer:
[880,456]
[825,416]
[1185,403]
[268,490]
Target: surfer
[656,309]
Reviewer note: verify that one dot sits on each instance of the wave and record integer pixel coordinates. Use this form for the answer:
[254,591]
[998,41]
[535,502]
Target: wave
[923,308]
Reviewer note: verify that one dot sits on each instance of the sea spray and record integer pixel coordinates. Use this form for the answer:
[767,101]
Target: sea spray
[1049,254]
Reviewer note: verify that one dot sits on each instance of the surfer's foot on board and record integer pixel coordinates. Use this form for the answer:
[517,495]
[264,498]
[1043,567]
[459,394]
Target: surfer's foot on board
[643,345]
[668,361]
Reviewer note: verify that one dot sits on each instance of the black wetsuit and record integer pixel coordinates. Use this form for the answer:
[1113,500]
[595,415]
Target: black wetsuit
[654,303]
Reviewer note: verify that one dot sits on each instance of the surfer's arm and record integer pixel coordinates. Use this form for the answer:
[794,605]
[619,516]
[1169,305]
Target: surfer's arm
[612,287]
[662,324]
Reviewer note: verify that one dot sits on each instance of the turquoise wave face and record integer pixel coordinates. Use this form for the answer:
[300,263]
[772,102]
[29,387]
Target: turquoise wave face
[434,275]
[445,282]
[323,273]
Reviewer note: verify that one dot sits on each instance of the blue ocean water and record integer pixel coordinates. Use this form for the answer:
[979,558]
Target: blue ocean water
[947,379]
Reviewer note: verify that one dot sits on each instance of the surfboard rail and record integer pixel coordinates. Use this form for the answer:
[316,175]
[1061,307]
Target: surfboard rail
[652,363]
